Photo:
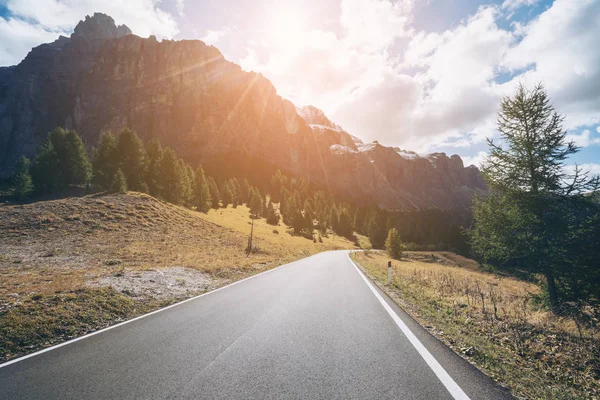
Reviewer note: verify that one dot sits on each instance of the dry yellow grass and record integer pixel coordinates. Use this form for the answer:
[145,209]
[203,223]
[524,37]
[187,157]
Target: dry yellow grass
[56,250]
[495,322]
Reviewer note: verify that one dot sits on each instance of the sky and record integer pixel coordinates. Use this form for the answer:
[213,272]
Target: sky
[424,75]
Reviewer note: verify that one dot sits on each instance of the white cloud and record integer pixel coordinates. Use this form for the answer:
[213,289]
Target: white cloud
[180,5]
[584,139]
[475,160]
[213,37]
[18,37]
[560,48]
[592,169]
[37,21]
[512,5]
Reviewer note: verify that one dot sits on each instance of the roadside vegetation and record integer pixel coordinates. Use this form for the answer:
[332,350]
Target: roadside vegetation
[499,323]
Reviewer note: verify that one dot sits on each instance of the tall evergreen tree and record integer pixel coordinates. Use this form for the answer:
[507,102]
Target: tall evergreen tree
[154,151]
[215,197]
[270,215]
[61,161]
[238,190]
[256,202]
[202,197]
[132,159]
[226,195]
[524,222]
[172,178]
[22,178]
[119,183]
[44,171]
[245,191]
[105,161]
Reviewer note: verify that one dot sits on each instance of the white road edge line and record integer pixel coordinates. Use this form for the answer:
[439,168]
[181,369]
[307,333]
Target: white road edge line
[435,366]
[37,353]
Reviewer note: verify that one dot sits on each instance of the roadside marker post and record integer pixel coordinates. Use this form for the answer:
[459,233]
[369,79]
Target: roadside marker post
[389,272]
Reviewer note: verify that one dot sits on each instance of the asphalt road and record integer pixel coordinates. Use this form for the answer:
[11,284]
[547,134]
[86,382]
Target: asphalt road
[313,329]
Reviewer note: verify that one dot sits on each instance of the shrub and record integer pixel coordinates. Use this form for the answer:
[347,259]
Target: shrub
[393,244]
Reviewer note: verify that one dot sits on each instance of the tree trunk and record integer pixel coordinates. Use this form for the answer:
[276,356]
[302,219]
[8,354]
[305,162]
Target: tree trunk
[552,292]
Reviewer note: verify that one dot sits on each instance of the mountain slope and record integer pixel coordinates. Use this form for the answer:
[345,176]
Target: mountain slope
[212,112]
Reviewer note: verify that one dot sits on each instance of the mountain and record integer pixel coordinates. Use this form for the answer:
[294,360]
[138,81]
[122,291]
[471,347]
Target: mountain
[210,111]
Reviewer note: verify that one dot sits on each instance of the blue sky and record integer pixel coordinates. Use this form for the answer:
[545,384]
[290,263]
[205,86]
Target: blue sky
[425,75]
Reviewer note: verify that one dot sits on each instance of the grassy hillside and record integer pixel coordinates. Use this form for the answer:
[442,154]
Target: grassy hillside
[495,322]
[71,266]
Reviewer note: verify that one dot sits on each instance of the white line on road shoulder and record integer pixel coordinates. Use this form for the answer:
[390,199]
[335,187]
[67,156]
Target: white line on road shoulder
[16,360]
[437,369]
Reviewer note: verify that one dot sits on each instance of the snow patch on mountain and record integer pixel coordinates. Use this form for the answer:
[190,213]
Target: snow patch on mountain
[339,149]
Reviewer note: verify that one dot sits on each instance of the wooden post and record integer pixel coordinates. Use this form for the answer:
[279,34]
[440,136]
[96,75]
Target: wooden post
[390,272]
[249,249]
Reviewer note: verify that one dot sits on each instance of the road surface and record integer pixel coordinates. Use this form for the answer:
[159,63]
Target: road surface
[313,329]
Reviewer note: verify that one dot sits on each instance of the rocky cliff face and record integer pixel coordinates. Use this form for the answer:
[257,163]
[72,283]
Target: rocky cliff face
[186,94]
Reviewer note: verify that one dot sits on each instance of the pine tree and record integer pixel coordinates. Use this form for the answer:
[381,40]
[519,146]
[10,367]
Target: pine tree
[44,171]
[132,159]
[393,244]
[189,181]
[172,178]
[202,197]
[226,195]
[245,191]
[119,184]
[256,202]
[276,185]
[61,161]
[154,151]
[235,194]
[22,178]
[105,161]
[344,223]
[238,190]
[77,167]
[271,215]
[215,197]
[524,223]
[359,220]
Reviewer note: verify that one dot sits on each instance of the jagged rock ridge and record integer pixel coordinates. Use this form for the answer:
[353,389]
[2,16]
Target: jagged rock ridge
[186,94]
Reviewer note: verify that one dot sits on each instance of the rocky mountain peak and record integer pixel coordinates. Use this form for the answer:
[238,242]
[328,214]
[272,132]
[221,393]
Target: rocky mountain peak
[314,116]
[99,27]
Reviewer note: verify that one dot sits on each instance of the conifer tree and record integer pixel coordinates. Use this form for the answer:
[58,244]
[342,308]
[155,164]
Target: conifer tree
[22,178]
[172,178]
[271,215]
[238,190]
[393,244]
[245,191]
[226,195]
[61,161]
[215,197]
[154,151]
[119,184]
[132,159]
[256,202]
[105,161]
[533,208]
[202,197]
[44,171]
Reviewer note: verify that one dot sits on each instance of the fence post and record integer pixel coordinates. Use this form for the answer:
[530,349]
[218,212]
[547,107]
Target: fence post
[389,272]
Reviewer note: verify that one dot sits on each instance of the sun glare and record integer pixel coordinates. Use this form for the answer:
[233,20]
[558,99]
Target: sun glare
[287,26]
